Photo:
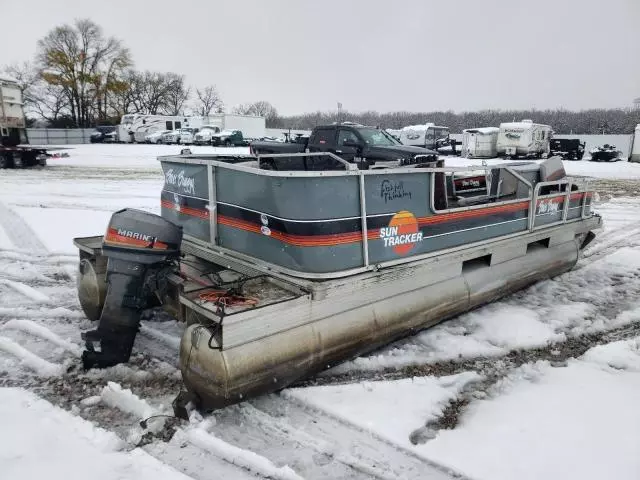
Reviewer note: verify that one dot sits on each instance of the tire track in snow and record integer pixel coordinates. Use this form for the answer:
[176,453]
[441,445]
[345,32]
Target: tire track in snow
[125,400]
[328,446]
[27,291]
[43,332]
[365,451]
[38,364]
[19,232]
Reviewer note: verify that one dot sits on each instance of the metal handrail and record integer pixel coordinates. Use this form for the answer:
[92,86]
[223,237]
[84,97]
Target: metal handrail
[536,196]
[363,223]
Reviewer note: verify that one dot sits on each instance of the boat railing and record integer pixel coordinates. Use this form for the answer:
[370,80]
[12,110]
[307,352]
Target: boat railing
[537,200]
[544,209]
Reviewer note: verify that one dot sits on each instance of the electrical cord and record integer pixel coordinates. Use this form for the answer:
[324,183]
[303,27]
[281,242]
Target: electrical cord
[144,423]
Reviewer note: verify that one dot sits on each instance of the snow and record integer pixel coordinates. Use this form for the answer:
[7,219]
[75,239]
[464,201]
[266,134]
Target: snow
[238,456]
[5,242]
[43,332]
[34,362]
[38,440]
[114,395]
[483,130]
[420,128]
[579,421]
[74,223]
[26,290]
[414,401]
[622,355]
[128,157]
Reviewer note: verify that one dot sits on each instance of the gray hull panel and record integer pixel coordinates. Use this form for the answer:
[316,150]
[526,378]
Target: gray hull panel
[222,377]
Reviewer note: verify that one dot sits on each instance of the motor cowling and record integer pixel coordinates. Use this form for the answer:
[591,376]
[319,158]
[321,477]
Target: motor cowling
[141,250]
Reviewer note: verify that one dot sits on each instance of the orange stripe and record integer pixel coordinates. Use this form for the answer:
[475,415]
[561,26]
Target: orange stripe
[115,238]
[575,196]
[355,237]
[192,212]
[296,240]
[480,212]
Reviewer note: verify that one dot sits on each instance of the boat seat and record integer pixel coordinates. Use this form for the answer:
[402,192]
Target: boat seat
[552,169]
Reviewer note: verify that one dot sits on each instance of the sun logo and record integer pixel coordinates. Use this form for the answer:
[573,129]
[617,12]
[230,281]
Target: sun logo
[402,233]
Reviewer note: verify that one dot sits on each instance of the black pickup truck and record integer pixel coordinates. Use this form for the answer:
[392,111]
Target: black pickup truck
[368,147]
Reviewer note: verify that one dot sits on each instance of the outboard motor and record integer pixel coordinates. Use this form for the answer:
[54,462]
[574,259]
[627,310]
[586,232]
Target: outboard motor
[141,250]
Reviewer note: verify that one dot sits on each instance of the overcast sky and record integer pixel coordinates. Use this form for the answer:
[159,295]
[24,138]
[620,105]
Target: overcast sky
[383,55]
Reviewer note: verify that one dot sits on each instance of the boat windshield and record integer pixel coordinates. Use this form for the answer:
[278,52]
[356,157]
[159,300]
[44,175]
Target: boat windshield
[379,138]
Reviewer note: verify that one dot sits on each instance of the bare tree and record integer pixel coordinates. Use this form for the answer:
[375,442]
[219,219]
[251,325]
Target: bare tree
[177,94]
[28,79]
[81,62]
[123,100]
[208,100]
[50,102]
[148,91]
[261,108]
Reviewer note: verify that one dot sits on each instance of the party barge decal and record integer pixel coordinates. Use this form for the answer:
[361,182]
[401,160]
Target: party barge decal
[402,234]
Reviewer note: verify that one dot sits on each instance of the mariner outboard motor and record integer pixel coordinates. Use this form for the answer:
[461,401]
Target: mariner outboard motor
[141,250]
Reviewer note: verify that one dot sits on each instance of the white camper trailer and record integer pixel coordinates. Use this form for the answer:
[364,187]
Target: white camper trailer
[480,142]
[135,127]
[634,147]
[426,136]
[523,138]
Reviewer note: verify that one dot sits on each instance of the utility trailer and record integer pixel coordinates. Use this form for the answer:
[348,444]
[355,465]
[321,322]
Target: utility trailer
[282,272]
[14,151]
[567,148]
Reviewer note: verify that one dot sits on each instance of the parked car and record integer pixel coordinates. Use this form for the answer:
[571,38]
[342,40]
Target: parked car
[182,135]
[229,138]
[203,137]
[156,137]
[104,134]
[187,135]
[370,147]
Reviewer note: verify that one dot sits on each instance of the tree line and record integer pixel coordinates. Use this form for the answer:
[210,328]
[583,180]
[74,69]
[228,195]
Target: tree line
[79,77]
[594,121]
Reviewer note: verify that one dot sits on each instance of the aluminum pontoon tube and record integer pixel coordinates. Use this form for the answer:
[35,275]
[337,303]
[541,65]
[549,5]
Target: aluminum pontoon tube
[222,377]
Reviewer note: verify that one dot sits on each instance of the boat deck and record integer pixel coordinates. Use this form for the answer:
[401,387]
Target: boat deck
[224,291]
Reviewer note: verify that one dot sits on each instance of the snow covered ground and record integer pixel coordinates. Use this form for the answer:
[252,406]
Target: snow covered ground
[542,384]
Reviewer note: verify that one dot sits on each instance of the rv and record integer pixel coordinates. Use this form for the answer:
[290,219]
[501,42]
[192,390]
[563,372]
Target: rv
[135,127]
[428,136]
[523,138]
[634,146]
[480,142]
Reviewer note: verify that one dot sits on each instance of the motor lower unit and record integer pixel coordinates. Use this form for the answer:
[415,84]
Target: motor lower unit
[141,250]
